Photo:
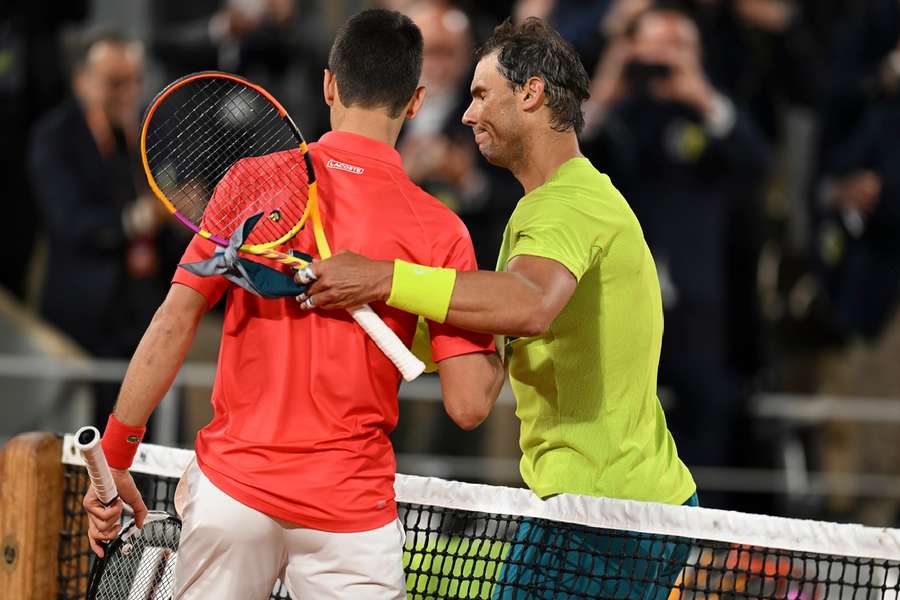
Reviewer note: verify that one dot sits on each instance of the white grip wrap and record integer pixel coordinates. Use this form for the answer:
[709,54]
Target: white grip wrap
[87,441]
[388,342]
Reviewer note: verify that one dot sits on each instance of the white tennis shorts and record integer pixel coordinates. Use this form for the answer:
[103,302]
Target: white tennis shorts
[230,551]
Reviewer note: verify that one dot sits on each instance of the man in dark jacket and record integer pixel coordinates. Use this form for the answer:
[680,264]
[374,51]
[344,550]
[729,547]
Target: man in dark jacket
[105,274]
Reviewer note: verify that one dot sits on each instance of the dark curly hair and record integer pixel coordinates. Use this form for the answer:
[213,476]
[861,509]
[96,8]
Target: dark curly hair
[534,49]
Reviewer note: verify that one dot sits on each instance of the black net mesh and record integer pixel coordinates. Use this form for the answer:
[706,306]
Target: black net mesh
[76,557]
[475,555]
[460,554]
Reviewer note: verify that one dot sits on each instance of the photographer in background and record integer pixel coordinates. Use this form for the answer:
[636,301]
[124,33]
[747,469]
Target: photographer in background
[681,151]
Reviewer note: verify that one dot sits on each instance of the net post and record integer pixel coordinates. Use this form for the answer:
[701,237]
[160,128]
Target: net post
[30,515]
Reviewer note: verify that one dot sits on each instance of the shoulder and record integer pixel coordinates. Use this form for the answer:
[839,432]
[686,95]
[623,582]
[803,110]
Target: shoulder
[63,118]
[582,191]
[436,218]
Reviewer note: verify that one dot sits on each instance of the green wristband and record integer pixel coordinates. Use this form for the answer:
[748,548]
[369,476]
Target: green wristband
[422,290]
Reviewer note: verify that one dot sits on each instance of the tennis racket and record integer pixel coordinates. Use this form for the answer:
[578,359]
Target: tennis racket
[140,563]
[218,150]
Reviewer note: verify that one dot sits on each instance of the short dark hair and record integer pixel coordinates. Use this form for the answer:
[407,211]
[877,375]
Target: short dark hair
[80,44]
[376,59]
[534,49]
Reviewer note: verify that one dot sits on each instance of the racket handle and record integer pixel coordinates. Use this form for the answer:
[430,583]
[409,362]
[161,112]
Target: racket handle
[87,441]
[385,338]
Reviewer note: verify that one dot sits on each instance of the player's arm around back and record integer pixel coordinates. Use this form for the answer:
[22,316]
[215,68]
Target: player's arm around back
[521,301]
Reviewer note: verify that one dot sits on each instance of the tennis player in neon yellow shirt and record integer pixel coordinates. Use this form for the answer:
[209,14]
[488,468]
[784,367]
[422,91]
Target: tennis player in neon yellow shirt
[577,297]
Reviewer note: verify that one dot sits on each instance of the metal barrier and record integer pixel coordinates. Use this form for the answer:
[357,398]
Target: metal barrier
[792,410]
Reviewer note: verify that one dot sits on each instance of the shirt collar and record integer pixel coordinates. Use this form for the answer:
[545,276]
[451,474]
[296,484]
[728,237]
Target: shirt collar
[360,144]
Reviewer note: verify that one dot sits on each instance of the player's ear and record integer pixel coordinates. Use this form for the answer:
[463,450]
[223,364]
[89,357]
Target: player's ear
[532,94]
[329,87]
[415,103]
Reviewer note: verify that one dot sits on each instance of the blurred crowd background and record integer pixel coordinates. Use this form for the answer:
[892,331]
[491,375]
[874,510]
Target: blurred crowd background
[758,142]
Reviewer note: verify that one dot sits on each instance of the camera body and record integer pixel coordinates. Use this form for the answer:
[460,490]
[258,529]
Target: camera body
[639,74]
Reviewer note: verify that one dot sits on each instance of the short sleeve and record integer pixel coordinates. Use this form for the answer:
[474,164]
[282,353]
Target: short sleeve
[448,341]
[555,228]
[213,287]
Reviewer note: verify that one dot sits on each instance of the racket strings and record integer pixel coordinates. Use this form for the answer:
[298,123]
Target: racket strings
[199,147]
[223,153]
[141,565]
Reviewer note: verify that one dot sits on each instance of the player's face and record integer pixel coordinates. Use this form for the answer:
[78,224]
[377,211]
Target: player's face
[493,114]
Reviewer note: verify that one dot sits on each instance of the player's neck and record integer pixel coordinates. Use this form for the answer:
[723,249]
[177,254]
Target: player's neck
[373,124]
[542,158]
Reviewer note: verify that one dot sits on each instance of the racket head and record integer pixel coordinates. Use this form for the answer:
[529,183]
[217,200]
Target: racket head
[140,563]
[218,149]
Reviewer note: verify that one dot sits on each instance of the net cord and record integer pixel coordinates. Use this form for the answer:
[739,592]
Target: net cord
[796,535]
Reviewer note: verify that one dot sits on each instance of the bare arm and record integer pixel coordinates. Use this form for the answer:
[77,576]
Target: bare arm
[470,384]
[160,354]
[152,369]
[521,301]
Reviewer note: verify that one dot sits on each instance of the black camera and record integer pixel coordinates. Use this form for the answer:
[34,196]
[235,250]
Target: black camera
[639,74]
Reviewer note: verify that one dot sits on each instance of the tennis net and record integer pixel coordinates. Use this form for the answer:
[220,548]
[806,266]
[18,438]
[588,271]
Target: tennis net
[481,542]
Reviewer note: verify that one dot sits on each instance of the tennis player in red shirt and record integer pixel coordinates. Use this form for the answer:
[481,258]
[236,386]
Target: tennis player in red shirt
[294,474]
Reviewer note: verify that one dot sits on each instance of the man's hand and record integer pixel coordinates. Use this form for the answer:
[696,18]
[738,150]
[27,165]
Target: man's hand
[621,16]
[687,84]
[104,521]
[859,191]
[346,280]
[773,16]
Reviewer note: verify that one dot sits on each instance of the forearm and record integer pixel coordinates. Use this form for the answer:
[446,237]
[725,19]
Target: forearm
[155,364]
[500,302]
[470,385]
[521,301]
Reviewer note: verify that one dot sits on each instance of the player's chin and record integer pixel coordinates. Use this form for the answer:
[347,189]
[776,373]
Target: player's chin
[491,155]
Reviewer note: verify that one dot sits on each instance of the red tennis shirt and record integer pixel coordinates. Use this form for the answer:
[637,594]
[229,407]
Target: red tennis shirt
[303,400]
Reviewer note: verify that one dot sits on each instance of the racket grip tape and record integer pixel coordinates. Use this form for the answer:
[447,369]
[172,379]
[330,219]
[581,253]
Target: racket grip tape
[388,342]
[87,441]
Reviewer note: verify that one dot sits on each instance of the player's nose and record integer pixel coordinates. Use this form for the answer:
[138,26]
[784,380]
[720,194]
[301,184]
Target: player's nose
[469,117]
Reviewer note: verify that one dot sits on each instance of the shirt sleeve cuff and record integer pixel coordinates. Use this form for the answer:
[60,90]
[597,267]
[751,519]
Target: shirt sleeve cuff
[721,119]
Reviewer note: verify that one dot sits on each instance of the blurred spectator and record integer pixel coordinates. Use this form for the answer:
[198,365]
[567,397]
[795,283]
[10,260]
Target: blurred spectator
[439,153]
[106,270]
[865,67]
[31,82]
[762,53]
[866,59]
[863,185]
[576,20]
[279,44]
[681,151]
[824,15]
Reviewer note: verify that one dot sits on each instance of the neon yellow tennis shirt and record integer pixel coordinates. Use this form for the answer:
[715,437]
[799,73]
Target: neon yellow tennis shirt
[591,422]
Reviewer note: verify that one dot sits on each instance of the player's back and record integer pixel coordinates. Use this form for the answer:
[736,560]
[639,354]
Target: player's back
[308,391]
[370,206]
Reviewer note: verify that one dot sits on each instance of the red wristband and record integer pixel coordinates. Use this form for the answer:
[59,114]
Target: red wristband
[120,443]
